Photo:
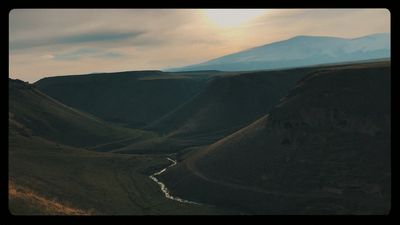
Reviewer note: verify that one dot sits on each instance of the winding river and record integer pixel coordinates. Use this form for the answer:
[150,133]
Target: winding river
[164,189]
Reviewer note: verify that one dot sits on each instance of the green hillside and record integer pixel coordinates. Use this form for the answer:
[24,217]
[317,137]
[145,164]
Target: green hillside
[49,177]
[53,179]
[301,141]
[186,108]
[33,113]
[227,103]
[129,98]
[325,149]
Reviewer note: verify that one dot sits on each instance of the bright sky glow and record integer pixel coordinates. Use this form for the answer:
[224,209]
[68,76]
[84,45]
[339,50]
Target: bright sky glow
[232,17]
[50,42]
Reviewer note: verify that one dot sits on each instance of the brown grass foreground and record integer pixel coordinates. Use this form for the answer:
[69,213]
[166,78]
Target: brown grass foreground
[47,206]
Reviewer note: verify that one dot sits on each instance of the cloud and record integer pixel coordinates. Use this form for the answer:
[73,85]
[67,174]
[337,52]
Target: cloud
[48,56]
[87,53]
[111,55]
[97,37]
[76,41]
[103,36]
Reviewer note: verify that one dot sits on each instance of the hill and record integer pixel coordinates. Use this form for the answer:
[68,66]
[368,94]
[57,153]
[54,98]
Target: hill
[205,106]
[325,149]
[301,51]
[32,113]
[228,102]
[47,178]
[132,98]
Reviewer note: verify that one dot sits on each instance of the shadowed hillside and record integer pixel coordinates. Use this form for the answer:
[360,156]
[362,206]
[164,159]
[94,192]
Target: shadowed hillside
[46,178]
[32,113]
[227,103]
[324,149]
[186,108]
[130,98]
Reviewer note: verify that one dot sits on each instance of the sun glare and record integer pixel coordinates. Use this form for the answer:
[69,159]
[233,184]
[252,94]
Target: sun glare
[232,17]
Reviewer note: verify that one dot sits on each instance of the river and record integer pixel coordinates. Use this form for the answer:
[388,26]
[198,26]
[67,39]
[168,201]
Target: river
[164,188]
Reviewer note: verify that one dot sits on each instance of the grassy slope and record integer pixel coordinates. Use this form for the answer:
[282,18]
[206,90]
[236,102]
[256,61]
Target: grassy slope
[228,102]
[324,149]
[28,202]
[185,108]
[130,98]
[49,178]
[34,113]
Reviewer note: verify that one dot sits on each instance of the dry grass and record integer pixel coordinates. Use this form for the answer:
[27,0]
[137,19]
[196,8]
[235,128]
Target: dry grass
[48,206]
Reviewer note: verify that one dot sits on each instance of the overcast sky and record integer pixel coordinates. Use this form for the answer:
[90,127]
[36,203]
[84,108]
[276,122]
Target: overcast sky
[52,42]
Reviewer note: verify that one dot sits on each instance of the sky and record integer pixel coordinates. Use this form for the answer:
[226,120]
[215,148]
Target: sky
[53,42]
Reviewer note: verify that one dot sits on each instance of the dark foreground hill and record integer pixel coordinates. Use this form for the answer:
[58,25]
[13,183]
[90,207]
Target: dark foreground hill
[32,113]
[46,178]
[129,98]
[325,149]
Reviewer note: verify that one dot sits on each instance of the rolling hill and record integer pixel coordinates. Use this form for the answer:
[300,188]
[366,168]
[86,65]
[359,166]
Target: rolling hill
[205,106]
[324,149]
[300,51]
[298,141]
[47,178]
[52,172]
[131,99]
[227,103]
[32,113]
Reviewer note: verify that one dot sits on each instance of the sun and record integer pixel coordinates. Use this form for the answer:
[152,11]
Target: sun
[231,17]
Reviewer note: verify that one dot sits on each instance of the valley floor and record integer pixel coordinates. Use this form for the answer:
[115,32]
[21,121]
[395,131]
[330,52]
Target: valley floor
[47,178]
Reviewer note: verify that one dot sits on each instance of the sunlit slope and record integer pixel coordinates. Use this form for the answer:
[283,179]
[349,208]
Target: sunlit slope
[25,201]
[46,178]
[130,98]
[33,113]
[324,149]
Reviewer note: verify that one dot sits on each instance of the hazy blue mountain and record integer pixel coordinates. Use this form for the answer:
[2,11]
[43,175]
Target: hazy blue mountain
[300,51]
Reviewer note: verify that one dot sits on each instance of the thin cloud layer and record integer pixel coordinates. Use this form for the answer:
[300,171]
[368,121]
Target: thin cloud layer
[51,42]
[73,39]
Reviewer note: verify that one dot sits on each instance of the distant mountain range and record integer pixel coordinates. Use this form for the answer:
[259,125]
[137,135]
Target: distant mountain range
[300,51]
